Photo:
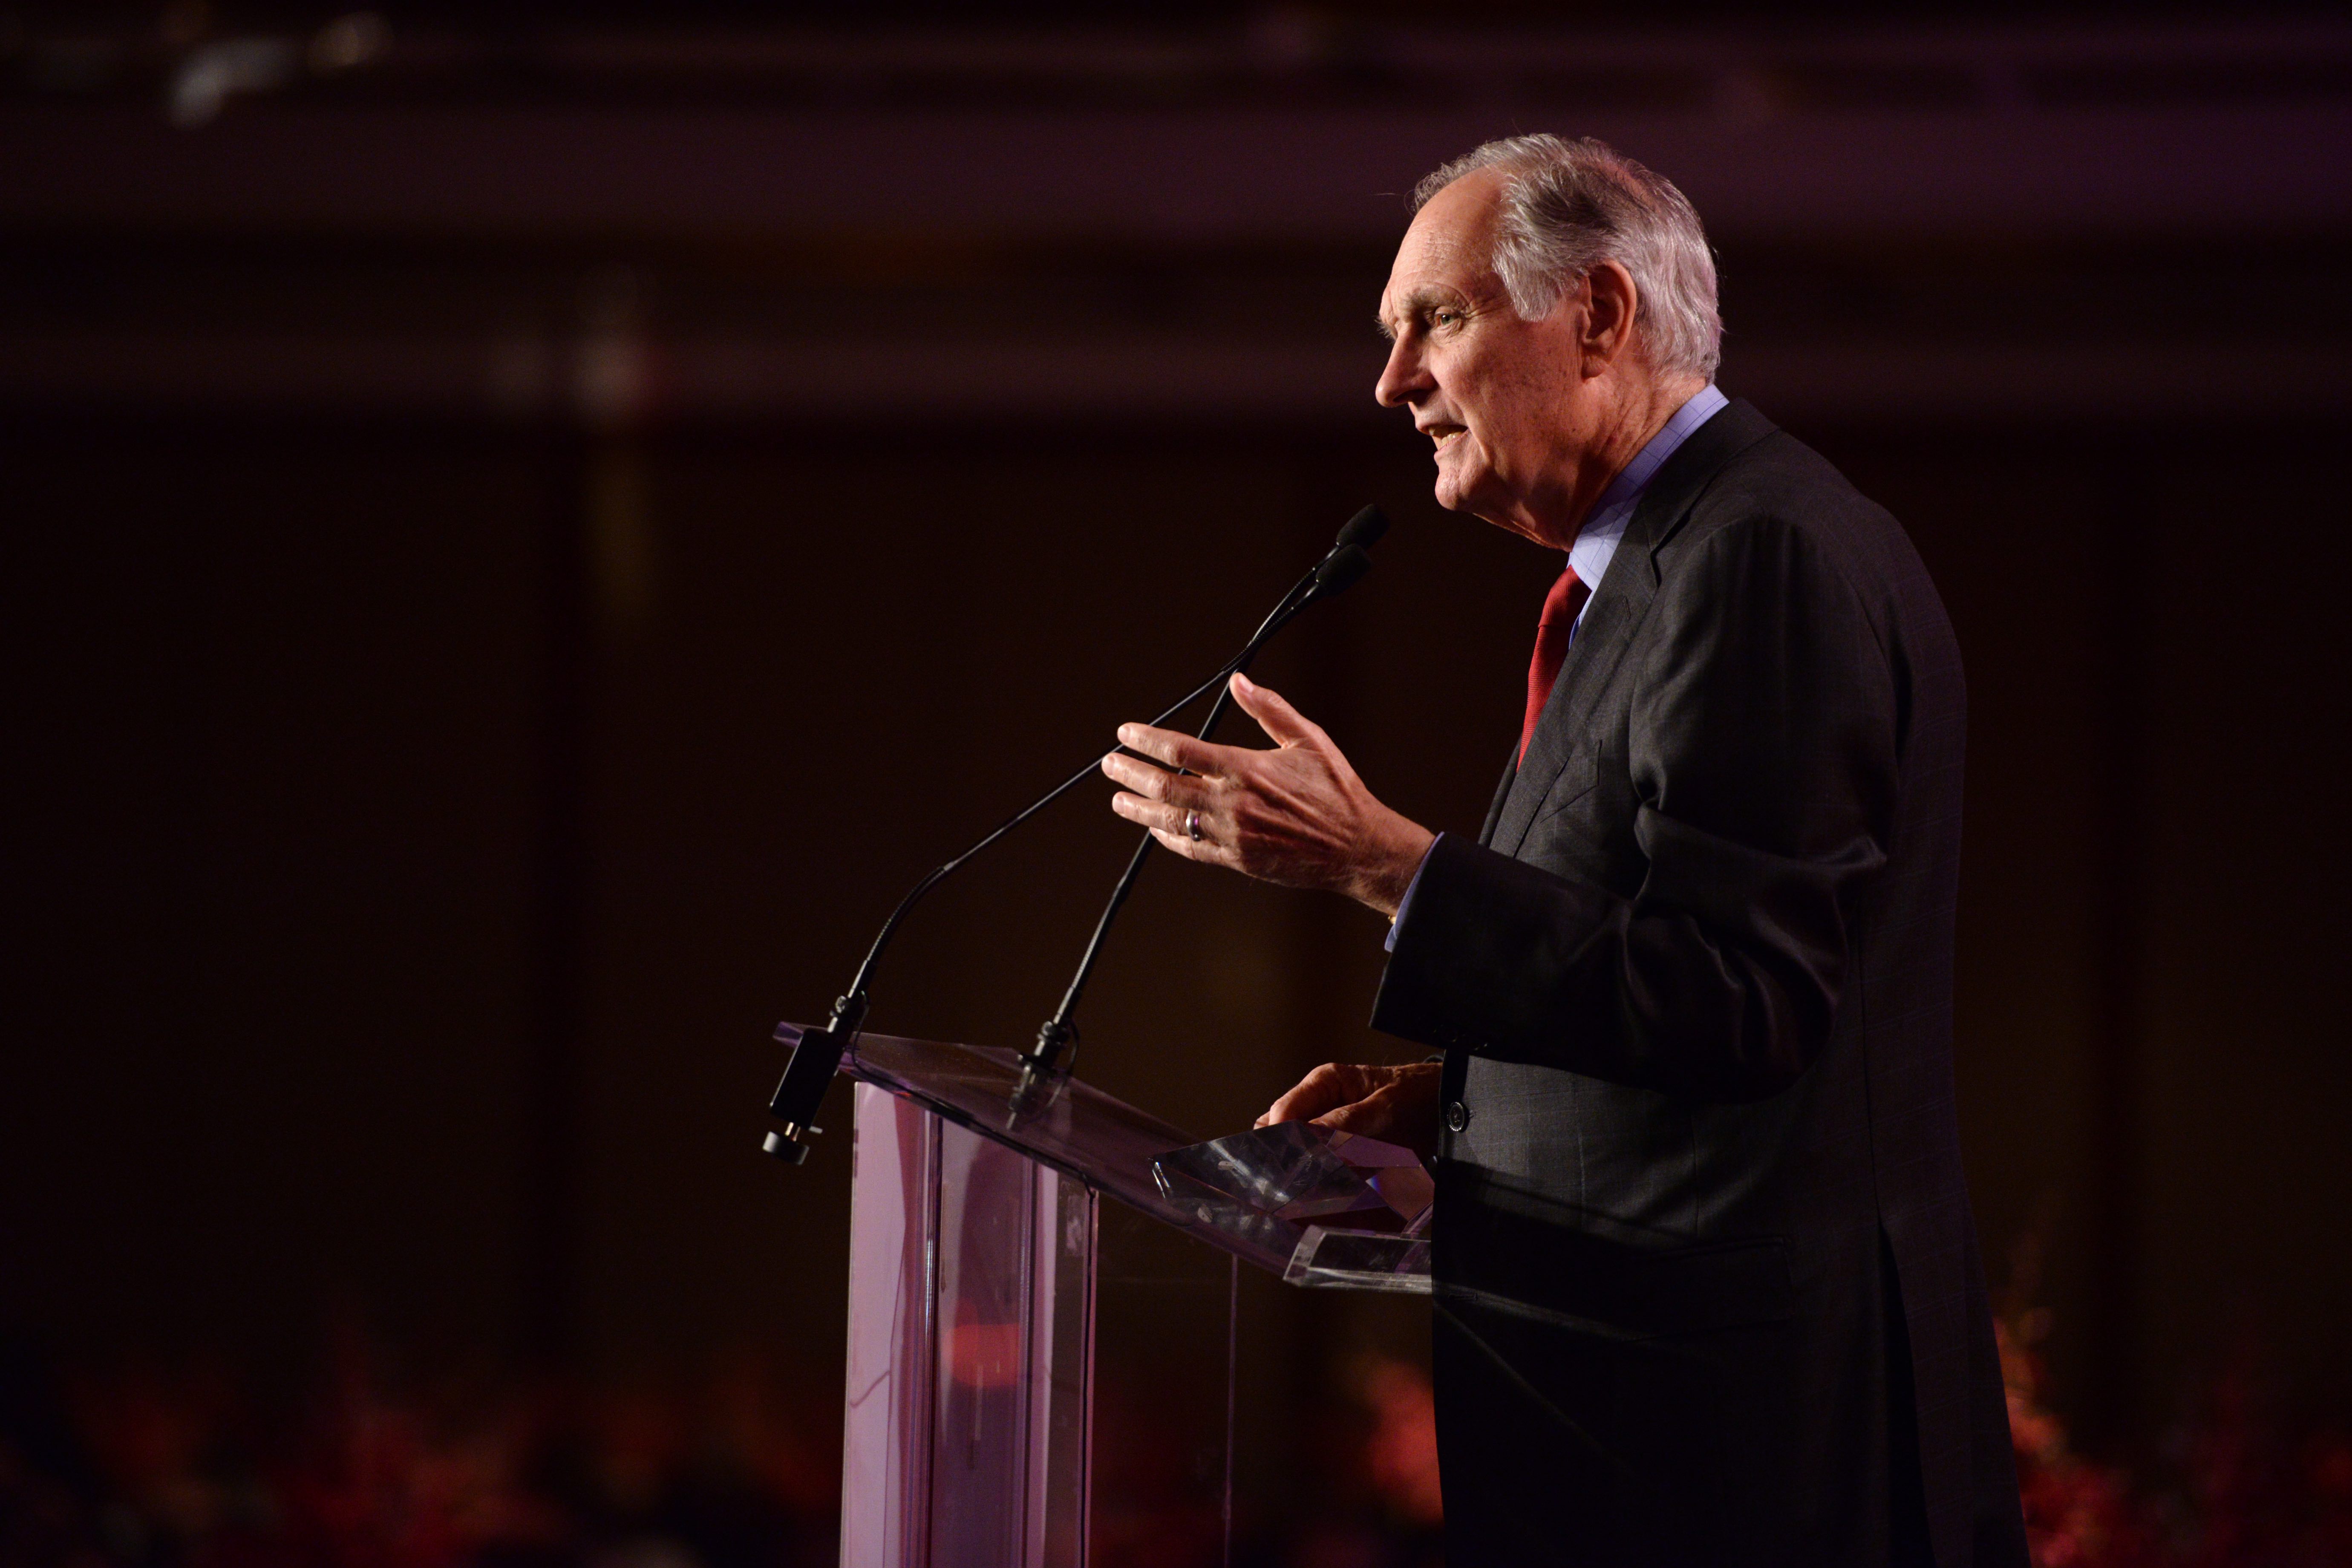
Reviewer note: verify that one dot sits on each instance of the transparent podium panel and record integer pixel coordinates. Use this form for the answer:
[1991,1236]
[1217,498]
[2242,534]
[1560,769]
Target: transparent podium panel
[1037,1379]
[1163,1386]
[971,1279]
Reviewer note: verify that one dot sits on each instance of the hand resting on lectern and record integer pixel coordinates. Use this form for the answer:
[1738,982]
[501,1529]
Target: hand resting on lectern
[1394,1104]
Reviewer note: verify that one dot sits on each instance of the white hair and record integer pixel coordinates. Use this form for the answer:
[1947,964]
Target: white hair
[1568,205]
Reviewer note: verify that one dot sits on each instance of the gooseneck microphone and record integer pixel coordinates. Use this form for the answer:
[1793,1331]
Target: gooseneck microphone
[818,1055]
[1341,569]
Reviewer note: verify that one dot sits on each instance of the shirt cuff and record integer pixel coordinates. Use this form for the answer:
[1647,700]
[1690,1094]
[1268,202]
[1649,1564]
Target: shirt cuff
[1404,905]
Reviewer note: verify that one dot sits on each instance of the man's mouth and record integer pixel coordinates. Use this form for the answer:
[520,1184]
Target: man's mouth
[1445,436]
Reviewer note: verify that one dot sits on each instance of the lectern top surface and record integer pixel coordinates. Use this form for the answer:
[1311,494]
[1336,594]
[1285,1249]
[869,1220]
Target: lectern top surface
[1080,1131]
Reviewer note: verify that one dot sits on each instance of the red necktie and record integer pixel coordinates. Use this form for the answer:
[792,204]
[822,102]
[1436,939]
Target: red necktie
[1552,634]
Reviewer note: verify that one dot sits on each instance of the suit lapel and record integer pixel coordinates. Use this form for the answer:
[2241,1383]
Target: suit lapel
[1502,794]
[1609,620]
[1616,608]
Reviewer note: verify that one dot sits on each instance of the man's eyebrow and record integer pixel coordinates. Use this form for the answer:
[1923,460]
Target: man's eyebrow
[1411,306]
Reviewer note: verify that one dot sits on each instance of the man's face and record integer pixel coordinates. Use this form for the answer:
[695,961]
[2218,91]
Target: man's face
[1500,397]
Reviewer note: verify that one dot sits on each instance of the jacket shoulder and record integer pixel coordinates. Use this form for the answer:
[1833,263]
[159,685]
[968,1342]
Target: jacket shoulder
[1777,509]
[1775,484]
[1779,480]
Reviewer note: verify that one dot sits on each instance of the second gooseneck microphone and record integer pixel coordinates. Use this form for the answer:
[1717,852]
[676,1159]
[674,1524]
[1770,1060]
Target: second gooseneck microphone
[1340,570]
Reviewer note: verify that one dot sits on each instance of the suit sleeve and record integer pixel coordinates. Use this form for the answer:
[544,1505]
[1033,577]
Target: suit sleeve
[1761,747]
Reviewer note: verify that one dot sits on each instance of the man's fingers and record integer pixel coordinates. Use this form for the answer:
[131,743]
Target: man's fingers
[1400,1109]
[1397,1105]
[1327,1087]
[1157,784]
[1284,725]
[1178,751]
[1376,1107]
[1387,1117]
[1166,823]
[1366,1116]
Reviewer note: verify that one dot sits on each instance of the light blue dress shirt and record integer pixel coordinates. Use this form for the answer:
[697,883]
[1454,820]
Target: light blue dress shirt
[1604,528]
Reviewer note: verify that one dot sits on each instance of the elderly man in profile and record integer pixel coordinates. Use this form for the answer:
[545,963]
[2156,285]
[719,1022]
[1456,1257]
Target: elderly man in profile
[1708,1288]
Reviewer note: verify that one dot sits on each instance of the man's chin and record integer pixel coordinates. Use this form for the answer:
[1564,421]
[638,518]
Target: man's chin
[1448,488]
[1486,509]
[1452,493]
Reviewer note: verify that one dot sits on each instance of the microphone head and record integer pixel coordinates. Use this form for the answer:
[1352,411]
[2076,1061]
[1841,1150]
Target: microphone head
[1341,569]
[1363,529]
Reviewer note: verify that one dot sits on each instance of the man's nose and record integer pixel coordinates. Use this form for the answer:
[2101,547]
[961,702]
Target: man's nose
[1404,377]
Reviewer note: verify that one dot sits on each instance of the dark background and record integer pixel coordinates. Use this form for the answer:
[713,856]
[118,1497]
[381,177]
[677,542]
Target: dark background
[526,531]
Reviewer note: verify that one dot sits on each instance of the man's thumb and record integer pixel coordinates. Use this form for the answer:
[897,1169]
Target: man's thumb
[1284,724]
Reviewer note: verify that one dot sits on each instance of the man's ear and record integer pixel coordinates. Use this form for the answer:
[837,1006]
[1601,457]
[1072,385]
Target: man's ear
[1612,301]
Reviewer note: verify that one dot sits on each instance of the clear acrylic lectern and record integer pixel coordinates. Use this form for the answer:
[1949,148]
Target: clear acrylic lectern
[982,1268]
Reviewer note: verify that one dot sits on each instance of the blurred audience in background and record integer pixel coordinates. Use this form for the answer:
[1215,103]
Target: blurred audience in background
[190,1466]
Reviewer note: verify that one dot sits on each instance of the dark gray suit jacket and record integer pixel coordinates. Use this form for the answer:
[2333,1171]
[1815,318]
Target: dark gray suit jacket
[1708,1285]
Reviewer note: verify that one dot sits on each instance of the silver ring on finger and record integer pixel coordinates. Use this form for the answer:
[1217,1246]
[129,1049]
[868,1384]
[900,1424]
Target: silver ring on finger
[1192,826]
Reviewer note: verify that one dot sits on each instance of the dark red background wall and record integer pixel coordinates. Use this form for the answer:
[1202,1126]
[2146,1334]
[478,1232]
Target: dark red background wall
[504,588]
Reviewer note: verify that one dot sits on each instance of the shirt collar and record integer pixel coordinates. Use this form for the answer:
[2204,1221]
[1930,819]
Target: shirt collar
[1596,541]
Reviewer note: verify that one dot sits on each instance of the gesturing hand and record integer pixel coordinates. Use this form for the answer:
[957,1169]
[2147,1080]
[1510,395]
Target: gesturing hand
[1296,815]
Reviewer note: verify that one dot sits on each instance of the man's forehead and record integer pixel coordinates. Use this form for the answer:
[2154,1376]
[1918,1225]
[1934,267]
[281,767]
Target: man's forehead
[1447,250]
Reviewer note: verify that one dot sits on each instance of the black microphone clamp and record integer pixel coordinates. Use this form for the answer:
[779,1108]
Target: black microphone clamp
[816,1056]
